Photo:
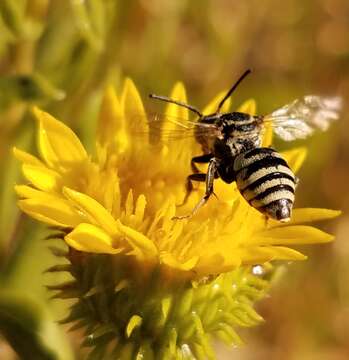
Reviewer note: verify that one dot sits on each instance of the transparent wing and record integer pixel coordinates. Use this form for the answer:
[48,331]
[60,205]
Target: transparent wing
[167,128]
[302,117]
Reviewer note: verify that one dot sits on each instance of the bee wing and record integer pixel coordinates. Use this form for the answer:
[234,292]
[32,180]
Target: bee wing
[302,117]
[166,128]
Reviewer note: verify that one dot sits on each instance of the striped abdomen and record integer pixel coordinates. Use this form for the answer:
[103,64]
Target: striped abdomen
[266,182]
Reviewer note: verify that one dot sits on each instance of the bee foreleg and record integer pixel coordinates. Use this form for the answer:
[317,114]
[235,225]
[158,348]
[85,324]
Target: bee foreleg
[202,159]
[209,179]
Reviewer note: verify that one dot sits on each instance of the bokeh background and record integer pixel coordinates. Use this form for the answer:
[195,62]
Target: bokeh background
[59,54]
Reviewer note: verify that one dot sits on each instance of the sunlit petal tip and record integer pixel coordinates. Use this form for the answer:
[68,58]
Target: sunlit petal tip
[212,106]
[133,109]
[110,98]
[110,119]
[249,107]
[58,144]
[178,92]
[130,98]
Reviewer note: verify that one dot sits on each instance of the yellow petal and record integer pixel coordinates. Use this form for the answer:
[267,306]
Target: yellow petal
[28,192]
[169,260]
[295,157]
[140,207]
[51,210]
[211,108]
[259,255]
[215,262]
[90,238]
[111,122]
[133,323]
[142,245]
[294,234]
[93,210]
[25,191]
[304,215]
[248,107]
[132,105]
[173,110]
[42,177]
[58,144]
[174,114]
[175,121]
[26,158]
[268,135]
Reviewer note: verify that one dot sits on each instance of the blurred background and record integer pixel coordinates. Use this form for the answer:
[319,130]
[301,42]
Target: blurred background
[59,54]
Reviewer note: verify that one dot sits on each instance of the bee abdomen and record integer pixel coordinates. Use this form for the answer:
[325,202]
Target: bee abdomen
[266,182]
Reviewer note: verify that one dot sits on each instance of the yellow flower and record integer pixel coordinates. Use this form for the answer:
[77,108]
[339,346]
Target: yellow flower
[157,286]
[124,200]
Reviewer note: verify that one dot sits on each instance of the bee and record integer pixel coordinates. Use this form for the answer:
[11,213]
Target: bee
[231,143]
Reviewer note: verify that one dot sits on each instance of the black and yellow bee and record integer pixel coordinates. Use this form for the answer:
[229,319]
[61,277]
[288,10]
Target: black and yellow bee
[232,147]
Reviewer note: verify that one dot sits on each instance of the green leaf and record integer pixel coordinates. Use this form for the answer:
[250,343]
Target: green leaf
[26,88]
[20,323]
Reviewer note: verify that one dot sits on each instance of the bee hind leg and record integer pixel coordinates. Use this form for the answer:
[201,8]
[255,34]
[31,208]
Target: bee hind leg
[201,177]
[296,181]
[209,179]
[202,159]
[196,176]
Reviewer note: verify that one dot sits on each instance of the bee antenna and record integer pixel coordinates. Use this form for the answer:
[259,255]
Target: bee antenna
[232,89]
[179,103]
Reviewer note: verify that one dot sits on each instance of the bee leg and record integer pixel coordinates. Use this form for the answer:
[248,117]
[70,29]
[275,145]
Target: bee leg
[266,221]
[210,176]
[202,159]
[189,185]
[296,181]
